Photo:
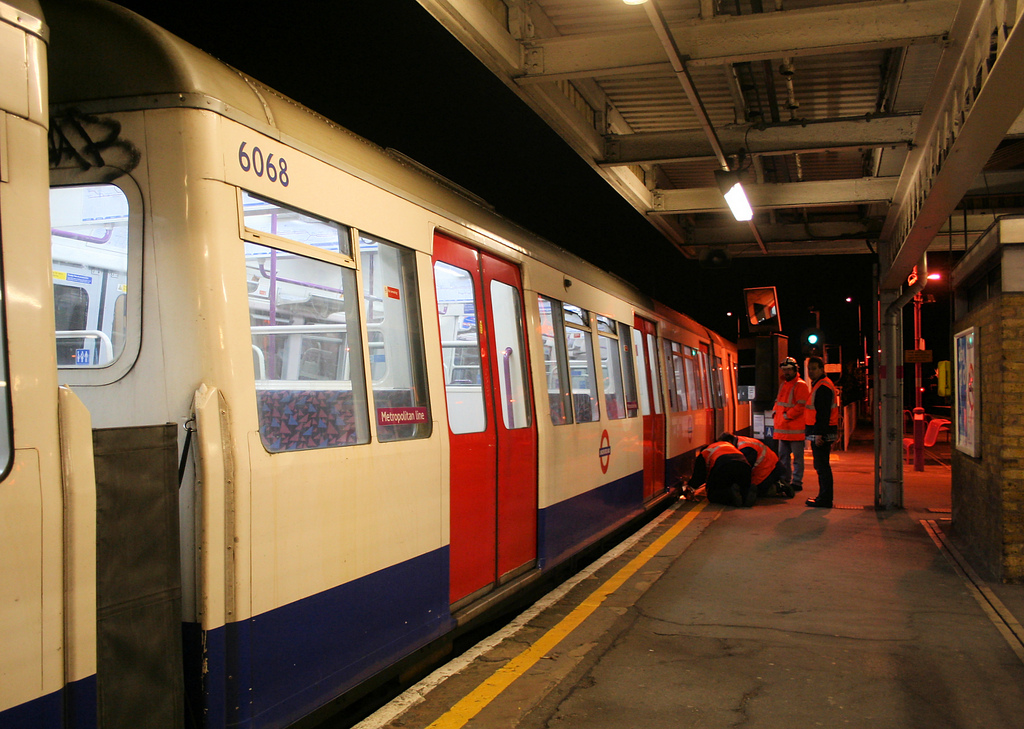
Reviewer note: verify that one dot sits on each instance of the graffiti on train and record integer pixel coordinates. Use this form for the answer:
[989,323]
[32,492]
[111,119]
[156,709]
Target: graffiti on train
[90,142]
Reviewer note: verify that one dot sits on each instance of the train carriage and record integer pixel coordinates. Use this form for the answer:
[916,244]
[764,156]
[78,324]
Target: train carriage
[325,407]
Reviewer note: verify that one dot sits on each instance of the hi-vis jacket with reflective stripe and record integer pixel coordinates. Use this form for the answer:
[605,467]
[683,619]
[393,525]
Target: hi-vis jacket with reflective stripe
[715,450]
[789,409]
[765,461]
[816,426]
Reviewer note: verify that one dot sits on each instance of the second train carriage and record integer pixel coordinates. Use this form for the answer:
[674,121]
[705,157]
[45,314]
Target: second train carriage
[400,408]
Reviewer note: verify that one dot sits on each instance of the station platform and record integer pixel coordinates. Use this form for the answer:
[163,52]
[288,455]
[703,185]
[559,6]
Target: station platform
[773,616]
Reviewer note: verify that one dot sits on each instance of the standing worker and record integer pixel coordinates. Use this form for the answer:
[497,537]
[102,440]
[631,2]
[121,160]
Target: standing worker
[726,472]
[789,422]
[822,427]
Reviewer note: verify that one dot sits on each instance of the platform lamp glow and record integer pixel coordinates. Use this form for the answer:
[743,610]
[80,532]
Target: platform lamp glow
[729,183]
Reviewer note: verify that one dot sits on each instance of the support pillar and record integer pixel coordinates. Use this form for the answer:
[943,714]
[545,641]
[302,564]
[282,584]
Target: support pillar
[889,420]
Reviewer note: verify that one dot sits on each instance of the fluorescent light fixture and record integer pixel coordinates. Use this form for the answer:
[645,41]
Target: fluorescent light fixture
[729,184]
[634,2]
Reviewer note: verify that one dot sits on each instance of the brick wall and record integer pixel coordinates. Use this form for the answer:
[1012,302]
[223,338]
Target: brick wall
[988,492]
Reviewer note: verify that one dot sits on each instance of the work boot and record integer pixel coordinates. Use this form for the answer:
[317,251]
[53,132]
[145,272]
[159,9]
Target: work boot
[736,495]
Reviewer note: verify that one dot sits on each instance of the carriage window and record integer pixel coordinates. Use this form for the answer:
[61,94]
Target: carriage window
[628,373]
[265,216]
[676,367]
[398,366]
[718,388]
[510,350]
[307,351]
[670,377]
[89,245]
[693,388]
[460,348]
[611,370]
[582,376]
[555,367]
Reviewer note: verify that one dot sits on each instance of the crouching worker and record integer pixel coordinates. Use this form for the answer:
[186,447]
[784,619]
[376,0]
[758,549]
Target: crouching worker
[725,473]
[766,472]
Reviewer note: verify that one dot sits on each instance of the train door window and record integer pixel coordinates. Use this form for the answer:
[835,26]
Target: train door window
[262,216]
[694,390]
[581,364]
[655,375]
[89,240]
[628,371]
[460,348]
[641,369]
[307,351]
[556,371]
[611,368]
[398,368]
[510,350]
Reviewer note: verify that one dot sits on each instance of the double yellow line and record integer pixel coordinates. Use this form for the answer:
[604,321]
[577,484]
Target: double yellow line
[486,692]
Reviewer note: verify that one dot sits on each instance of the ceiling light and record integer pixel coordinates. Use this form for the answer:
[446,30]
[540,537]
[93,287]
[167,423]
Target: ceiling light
[729,184]
[634,2]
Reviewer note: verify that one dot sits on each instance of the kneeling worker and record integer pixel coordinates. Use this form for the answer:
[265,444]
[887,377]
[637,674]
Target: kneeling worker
[767,474]
[727,474]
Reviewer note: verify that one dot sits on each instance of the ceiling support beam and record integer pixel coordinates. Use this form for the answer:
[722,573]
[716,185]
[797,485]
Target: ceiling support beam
[732,39]
[959,129]
[773,139]
[781,195]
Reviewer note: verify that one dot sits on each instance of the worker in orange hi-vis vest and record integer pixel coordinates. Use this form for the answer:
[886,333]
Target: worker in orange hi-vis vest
[789,422]
[726,472]
[766,473]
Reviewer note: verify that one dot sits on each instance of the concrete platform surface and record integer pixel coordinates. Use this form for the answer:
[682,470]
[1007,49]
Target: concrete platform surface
[776,616]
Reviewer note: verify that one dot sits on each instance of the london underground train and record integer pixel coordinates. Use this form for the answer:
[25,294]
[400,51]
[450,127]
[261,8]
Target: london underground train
[281,409]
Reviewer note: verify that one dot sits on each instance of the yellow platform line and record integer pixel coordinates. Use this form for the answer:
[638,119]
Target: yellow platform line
[490,689]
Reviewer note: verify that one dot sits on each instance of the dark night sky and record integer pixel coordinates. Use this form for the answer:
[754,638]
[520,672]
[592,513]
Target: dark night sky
[387,71]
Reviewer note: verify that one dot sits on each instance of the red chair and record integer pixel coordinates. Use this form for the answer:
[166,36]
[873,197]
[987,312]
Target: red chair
[935,426]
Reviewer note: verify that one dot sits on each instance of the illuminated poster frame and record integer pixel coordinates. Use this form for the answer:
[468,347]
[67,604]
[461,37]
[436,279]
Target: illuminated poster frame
[967,391]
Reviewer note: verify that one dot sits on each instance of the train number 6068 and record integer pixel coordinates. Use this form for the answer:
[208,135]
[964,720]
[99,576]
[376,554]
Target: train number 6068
[259,166]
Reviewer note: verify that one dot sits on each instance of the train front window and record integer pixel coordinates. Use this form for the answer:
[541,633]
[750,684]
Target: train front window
[89,246]
[307,351]
[398,366]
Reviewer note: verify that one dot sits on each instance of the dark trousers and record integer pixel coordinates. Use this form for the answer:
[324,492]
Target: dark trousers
[777,474]
[723,475]
[820,454]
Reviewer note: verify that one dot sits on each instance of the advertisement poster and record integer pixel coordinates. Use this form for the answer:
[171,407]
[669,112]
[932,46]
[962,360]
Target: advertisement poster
[967,391]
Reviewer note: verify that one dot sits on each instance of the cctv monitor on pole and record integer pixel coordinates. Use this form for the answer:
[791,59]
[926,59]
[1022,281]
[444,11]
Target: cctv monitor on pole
[762,309]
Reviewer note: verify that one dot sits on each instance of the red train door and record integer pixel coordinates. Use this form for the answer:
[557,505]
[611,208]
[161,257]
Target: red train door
[493,436]
[651,407]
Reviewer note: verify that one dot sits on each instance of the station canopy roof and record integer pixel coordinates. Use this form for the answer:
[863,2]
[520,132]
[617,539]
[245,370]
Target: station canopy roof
[855,126]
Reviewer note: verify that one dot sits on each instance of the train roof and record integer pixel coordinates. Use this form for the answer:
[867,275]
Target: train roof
[25,14]
[88,74]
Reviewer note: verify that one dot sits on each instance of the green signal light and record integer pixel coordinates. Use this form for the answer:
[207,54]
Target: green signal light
[812,338]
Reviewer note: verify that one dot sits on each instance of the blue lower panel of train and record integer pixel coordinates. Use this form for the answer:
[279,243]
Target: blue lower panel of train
[74,708]
[279,666]
[565,527]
